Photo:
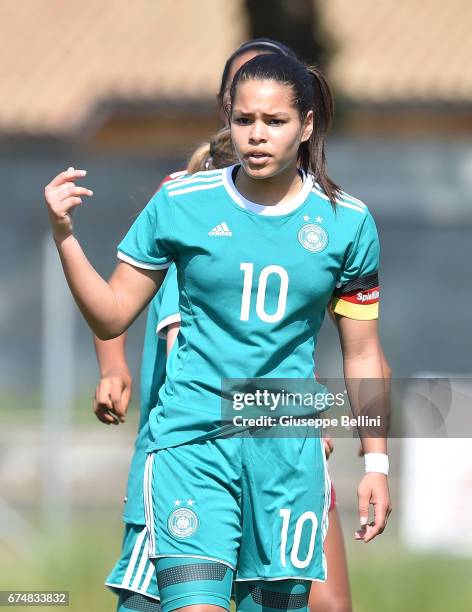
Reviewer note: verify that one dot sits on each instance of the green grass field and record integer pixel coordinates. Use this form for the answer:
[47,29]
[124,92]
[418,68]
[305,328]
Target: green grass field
[385,577]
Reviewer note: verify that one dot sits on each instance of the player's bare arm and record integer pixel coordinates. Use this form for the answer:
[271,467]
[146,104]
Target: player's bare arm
[108,307]
[362,358]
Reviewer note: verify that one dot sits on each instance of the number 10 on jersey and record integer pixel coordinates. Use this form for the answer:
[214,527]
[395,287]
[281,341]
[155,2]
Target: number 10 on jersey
[248,270]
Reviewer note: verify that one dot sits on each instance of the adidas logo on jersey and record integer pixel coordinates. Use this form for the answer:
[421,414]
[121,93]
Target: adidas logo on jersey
[221,230]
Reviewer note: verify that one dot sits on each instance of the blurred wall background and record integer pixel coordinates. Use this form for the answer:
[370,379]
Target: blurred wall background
[127,91]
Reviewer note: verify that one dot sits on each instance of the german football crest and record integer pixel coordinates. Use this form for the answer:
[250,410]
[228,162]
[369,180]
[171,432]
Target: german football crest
[313,238]
[182,522]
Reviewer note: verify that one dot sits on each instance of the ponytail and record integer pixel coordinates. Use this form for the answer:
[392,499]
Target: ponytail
[312,155]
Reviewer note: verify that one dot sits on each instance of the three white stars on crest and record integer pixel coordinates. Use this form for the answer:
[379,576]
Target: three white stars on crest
[317,219]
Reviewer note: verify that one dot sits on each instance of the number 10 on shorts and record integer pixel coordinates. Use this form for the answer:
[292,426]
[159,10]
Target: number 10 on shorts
[285,513]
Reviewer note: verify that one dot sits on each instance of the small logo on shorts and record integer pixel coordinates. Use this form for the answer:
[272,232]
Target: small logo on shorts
[313,238]
[182,523]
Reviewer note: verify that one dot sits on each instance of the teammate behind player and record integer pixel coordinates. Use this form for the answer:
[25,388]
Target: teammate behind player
[133,577]
[279,118]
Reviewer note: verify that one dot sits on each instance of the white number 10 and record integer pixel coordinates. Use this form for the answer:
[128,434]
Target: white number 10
[306,516]
[248,270]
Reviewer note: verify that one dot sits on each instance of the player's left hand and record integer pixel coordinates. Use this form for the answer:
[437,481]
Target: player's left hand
[112,397]
[373,490]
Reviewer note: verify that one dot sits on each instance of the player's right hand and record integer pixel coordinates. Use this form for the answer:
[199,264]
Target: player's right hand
[62,196]
[112,397]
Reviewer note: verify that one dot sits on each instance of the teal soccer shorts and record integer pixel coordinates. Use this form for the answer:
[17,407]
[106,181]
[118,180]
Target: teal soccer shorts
[257,505]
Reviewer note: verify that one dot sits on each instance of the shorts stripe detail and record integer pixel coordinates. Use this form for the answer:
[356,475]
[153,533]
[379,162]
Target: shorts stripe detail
[327,503]
[148,510]
[152,539]
[142,564]
[191,573]
[134,557]
[149,575]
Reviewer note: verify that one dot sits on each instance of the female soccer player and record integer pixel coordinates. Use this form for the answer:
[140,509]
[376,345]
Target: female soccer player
[132,577]
[253,308]
[114,389]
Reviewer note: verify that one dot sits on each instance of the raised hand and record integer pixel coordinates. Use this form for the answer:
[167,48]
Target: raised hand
[62,196]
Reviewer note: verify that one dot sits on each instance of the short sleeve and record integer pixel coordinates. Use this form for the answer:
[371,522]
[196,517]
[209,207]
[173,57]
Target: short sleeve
[357,291]
[148,243]
[169,307]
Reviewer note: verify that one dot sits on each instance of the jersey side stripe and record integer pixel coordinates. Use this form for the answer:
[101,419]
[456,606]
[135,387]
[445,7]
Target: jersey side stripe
[195,188]
[340,202]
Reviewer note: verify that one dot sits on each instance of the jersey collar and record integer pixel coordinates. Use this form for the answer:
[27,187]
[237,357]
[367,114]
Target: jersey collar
[260,209]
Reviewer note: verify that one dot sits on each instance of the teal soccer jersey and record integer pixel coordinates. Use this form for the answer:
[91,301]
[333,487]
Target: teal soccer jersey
[254,283]
[163,310]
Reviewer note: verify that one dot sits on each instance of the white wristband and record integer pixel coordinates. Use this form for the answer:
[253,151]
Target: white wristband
[376,462]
